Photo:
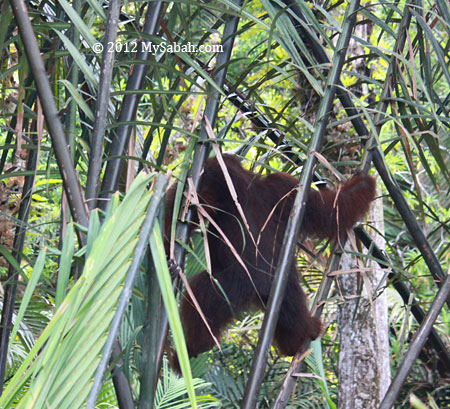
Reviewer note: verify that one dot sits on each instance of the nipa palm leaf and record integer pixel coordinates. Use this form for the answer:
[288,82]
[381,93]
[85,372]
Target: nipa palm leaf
[59,370]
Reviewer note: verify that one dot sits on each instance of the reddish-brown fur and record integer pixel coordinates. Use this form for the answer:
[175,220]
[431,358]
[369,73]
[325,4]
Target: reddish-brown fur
[328,214]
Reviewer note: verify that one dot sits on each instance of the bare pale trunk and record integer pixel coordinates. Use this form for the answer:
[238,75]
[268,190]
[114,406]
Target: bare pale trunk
[364,373]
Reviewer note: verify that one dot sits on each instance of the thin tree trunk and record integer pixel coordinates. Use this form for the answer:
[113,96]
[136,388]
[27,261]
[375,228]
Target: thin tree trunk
[364,372]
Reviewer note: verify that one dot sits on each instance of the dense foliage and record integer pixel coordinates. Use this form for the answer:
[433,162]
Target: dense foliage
[397,76]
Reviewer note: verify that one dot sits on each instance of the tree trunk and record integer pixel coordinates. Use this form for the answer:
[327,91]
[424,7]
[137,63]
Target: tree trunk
[364,371]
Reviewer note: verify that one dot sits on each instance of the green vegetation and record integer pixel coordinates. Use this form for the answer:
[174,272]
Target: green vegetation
[66,274]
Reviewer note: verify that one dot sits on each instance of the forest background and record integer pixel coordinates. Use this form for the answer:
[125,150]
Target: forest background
[317,89]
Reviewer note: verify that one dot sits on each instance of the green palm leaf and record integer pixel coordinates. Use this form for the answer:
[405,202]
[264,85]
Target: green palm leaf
[61,375]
